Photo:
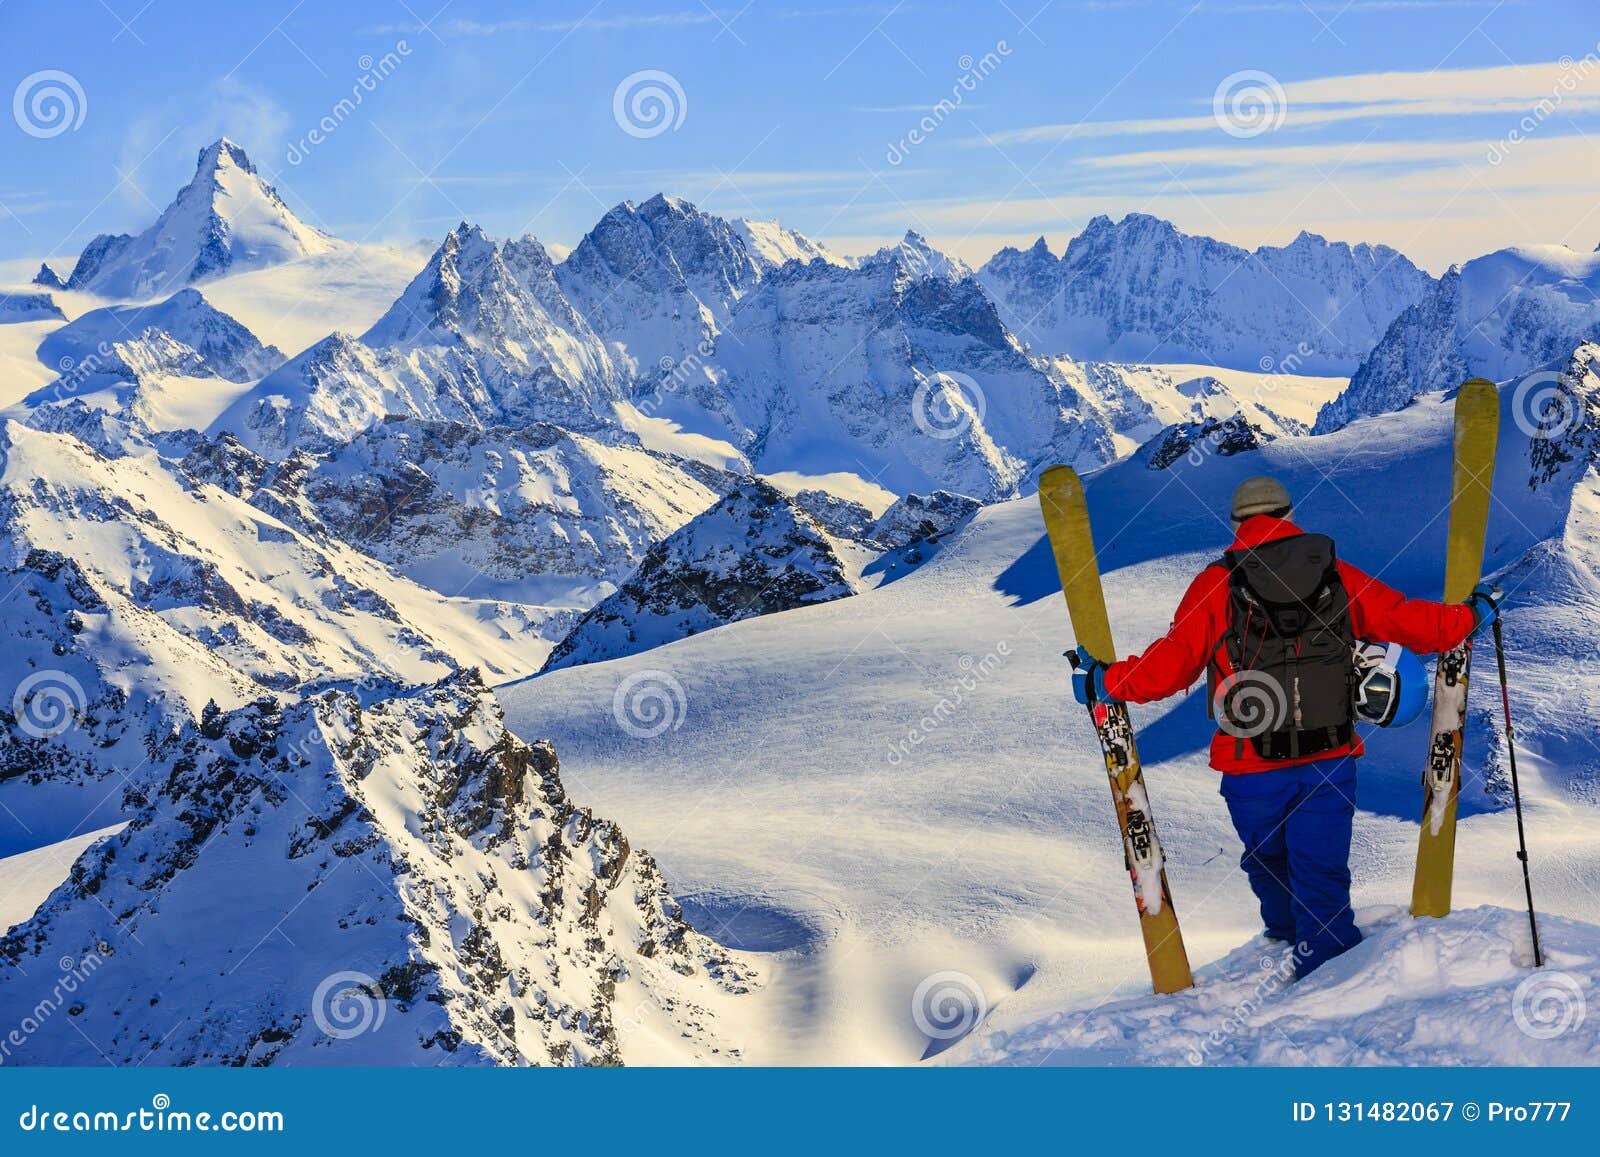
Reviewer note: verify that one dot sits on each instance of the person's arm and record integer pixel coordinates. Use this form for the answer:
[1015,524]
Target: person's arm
[1179,657]
[1381,614]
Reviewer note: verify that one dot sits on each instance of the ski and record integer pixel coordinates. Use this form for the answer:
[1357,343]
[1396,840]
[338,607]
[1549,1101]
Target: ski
[1066,520]
[1477,428]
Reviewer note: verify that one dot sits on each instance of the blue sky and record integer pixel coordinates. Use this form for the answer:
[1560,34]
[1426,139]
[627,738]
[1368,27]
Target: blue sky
[1381,120]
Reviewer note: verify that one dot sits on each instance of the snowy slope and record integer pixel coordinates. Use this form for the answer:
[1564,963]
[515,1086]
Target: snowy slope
[1498,316]
[296,304]
[385,877]
[770,243]
[1139,290]
[754,553]
[226,218]
[889,789]
[1460,991]
[277,605]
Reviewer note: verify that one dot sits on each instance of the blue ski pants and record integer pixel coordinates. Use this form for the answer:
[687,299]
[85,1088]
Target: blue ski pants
[1295,825]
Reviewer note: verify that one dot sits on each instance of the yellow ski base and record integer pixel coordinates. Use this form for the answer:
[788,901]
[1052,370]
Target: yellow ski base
[1066,520]
[1477,431]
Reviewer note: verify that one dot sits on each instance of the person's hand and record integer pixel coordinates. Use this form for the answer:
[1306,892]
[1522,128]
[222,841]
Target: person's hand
[1485,604]
[1089,679]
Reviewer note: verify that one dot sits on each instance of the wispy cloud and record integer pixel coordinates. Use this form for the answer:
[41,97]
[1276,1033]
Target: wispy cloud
[1503,89]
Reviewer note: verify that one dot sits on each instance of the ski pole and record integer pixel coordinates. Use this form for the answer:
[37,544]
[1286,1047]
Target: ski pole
[1516,790]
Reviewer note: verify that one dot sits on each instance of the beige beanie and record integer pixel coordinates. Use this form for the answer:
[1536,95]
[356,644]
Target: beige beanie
[1261,495]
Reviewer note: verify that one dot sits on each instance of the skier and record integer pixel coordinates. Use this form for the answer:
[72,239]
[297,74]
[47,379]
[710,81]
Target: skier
[1275,622]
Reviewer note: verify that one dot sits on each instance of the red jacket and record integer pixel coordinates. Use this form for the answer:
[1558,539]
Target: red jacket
[1177,659]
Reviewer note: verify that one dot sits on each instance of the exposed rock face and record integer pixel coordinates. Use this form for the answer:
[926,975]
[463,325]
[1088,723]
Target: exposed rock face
[19,307]
[1139,290]
[47,278]
[376,877]
[925,517]
[1223,437]
[1499,317]
[753,553]
[226,218]
[505,503]
[1565,413]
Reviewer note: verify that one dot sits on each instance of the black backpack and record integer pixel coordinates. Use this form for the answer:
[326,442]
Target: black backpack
[1291,645]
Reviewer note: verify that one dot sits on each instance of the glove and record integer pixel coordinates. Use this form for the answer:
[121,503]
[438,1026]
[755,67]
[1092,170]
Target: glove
[1089,678]
[1485,603]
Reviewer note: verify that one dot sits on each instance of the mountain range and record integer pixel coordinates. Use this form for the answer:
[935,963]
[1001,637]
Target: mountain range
[258,594]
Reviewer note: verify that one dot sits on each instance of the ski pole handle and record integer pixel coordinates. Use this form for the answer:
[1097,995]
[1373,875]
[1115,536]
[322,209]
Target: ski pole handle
[1072,659]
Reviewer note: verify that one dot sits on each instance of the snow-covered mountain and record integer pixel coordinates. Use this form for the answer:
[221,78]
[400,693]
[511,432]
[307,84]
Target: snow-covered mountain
[280,606]
[167,365]
[462,508]
[1497,316]
[482,335]
[382,876]
[753,553]
[48,278]
[888,369]
[226,218]
[1139,290]
[658,280]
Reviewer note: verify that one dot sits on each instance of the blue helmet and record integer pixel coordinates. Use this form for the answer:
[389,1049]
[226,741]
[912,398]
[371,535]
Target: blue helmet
[1391,686]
